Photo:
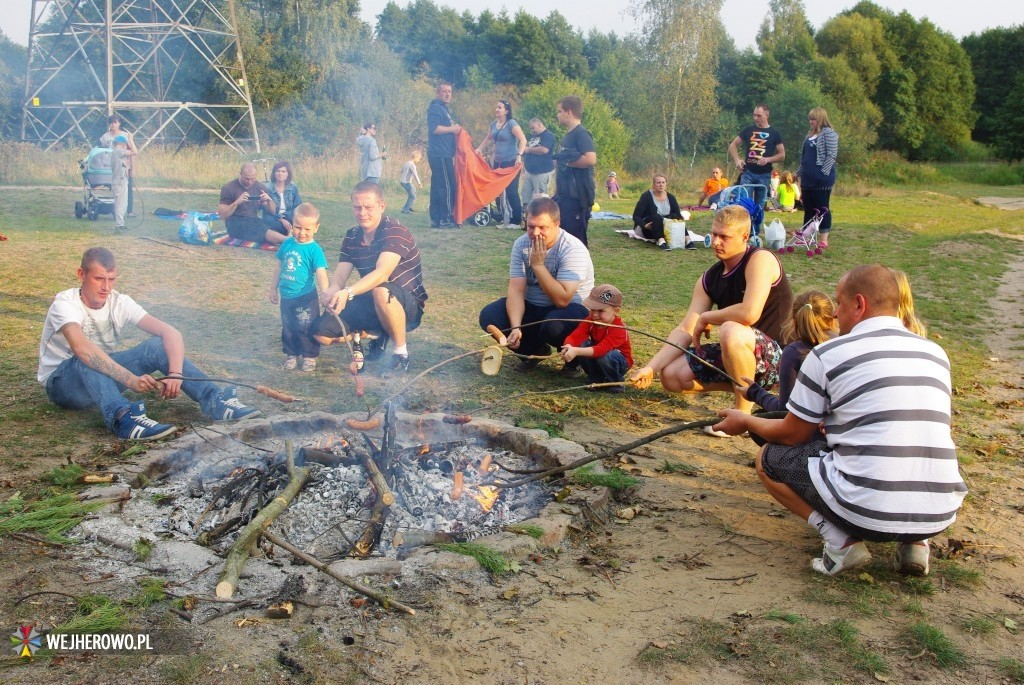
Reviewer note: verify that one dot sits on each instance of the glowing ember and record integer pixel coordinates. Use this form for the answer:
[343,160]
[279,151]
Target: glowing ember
[487,496]
[424,449]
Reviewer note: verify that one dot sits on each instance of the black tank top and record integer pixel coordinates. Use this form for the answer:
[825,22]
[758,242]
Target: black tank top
[726,289]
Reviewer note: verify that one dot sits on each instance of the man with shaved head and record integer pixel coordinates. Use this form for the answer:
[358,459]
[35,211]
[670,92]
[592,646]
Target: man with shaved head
[887,470]
[240,202]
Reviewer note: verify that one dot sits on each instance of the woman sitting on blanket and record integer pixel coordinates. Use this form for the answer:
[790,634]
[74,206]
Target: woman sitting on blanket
[653,207]
[286,198]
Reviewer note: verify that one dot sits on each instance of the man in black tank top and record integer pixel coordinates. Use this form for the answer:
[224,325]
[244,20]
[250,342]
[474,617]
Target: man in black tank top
[747,295]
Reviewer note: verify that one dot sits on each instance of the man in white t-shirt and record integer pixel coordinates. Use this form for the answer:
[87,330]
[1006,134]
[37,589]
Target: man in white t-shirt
[550,274]
[80,366]
[887,470]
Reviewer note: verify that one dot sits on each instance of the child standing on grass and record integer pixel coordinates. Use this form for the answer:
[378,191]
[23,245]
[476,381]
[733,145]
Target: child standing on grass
[406,178]
[603,351]
[120,166]
[301,270]
[789,193]
[612,184]
[812,322]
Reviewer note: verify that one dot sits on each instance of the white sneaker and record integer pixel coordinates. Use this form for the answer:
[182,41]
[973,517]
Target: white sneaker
[290,363]
[835,561]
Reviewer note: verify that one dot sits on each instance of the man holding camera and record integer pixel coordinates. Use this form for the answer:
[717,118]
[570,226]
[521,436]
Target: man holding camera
[240,202]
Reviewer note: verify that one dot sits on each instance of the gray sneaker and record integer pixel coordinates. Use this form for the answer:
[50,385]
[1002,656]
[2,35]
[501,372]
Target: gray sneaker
[912,558]
[835,561]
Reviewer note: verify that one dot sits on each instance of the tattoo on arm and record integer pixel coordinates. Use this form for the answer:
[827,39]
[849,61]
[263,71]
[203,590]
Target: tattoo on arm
[108,367]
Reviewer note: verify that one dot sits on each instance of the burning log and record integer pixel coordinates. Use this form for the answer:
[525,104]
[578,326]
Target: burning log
[239,553]
[351,584]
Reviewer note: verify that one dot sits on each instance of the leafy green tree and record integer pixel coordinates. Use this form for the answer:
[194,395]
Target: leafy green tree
[786,37]
[13,62]
[861,42]
[1009,138]
[432,40]
[611,138]
[679,69]
[997,57]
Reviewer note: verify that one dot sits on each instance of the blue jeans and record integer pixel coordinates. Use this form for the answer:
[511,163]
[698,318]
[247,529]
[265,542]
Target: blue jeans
[760,194]
[610,368]
[76,386]
[410,197]
[540,338]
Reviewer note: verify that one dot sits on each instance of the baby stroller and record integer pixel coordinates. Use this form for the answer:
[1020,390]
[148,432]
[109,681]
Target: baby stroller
[97,176]
[806,238]
[744,195]
[498,211]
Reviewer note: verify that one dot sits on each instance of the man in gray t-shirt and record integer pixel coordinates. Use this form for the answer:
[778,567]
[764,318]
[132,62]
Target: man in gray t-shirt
[550,273]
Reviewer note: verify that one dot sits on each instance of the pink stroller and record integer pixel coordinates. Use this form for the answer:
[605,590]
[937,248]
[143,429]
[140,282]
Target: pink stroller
[806,237]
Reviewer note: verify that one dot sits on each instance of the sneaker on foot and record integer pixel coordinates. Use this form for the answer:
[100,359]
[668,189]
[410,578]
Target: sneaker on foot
[228,407]
[398,365]
[912,558]
[569,369]
[135,425]
[308,365]
[664,246]
[835,561]
[690,245]
[291,362]
[375,348]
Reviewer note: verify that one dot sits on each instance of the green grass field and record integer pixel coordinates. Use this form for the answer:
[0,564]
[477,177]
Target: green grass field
[951,247]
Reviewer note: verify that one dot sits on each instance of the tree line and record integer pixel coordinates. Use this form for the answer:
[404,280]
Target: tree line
[677,89]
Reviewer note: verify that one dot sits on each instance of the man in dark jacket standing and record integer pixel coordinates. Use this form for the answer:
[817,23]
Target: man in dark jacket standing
[577,157]
[441,131]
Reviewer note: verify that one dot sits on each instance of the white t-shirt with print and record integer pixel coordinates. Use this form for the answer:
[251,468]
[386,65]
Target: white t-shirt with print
[102,326]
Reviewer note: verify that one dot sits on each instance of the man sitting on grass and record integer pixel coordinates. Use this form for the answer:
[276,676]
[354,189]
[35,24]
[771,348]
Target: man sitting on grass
[80,368]
[887,470]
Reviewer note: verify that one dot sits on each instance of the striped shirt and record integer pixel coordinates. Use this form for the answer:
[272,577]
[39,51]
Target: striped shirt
[390,236]
[568,261]
[884,395]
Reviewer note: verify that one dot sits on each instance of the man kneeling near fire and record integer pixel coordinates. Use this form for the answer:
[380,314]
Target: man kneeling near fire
[80,366]
[887,470]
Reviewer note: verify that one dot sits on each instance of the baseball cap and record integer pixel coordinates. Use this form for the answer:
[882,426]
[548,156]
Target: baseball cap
[603,297]
[611,173]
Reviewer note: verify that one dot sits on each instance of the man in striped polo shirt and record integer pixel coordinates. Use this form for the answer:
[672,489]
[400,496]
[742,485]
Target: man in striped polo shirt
[887,471]
[388,296]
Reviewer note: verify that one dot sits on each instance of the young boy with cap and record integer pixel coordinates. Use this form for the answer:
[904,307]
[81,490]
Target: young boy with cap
[600,344]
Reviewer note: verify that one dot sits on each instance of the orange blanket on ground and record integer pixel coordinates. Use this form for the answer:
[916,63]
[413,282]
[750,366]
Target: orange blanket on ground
[476,183]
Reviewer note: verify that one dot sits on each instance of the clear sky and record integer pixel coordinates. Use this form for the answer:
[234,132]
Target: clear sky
[742,18]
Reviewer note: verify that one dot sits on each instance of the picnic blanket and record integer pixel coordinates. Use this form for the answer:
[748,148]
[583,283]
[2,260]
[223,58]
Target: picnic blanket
[222,238]
[601,216]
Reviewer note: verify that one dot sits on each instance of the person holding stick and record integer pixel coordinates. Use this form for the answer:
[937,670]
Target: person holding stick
[388,296]
[887,468]
[753,298]
[550,274]
[80,366]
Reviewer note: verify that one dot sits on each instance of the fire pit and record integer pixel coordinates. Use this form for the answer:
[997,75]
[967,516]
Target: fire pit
[413,480]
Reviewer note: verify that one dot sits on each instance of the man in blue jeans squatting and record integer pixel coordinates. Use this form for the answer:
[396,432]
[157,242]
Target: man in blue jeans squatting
[762,146]
[80,367]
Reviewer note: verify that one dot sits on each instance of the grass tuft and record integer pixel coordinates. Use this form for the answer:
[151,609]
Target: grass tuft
[787,616]
[535,532]
[1012,669]
[491,559]
[932,639]
[151,592]
[616,479]
[63,476]
[50,518]
[95,614]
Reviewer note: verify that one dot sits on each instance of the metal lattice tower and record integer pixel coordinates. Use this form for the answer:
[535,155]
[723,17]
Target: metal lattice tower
[171,69]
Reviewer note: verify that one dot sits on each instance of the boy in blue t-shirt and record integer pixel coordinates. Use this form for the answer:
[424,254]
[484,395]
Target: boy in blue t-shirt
[301,270]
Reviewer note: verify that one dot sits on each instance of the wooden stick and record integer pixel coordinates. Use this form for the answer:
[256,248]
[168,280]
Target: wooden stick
[239,553]
[261,389]
[423,373]
[671,430]
[588,386]
[351,584]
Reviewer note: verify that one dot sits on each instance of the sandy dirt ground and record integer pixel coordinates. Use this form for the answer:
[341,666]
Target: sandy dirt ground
[685,592]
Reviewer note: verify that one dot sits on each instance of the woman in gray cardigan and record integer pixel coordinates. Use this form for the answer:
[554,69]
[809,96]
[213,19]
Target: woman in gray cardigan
[818,170]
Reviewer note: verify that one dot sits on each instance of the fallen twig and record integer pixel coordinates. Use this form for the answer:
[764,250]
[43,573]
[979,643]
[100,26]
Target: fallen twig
[385,602]
[749,575]
[239,553]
